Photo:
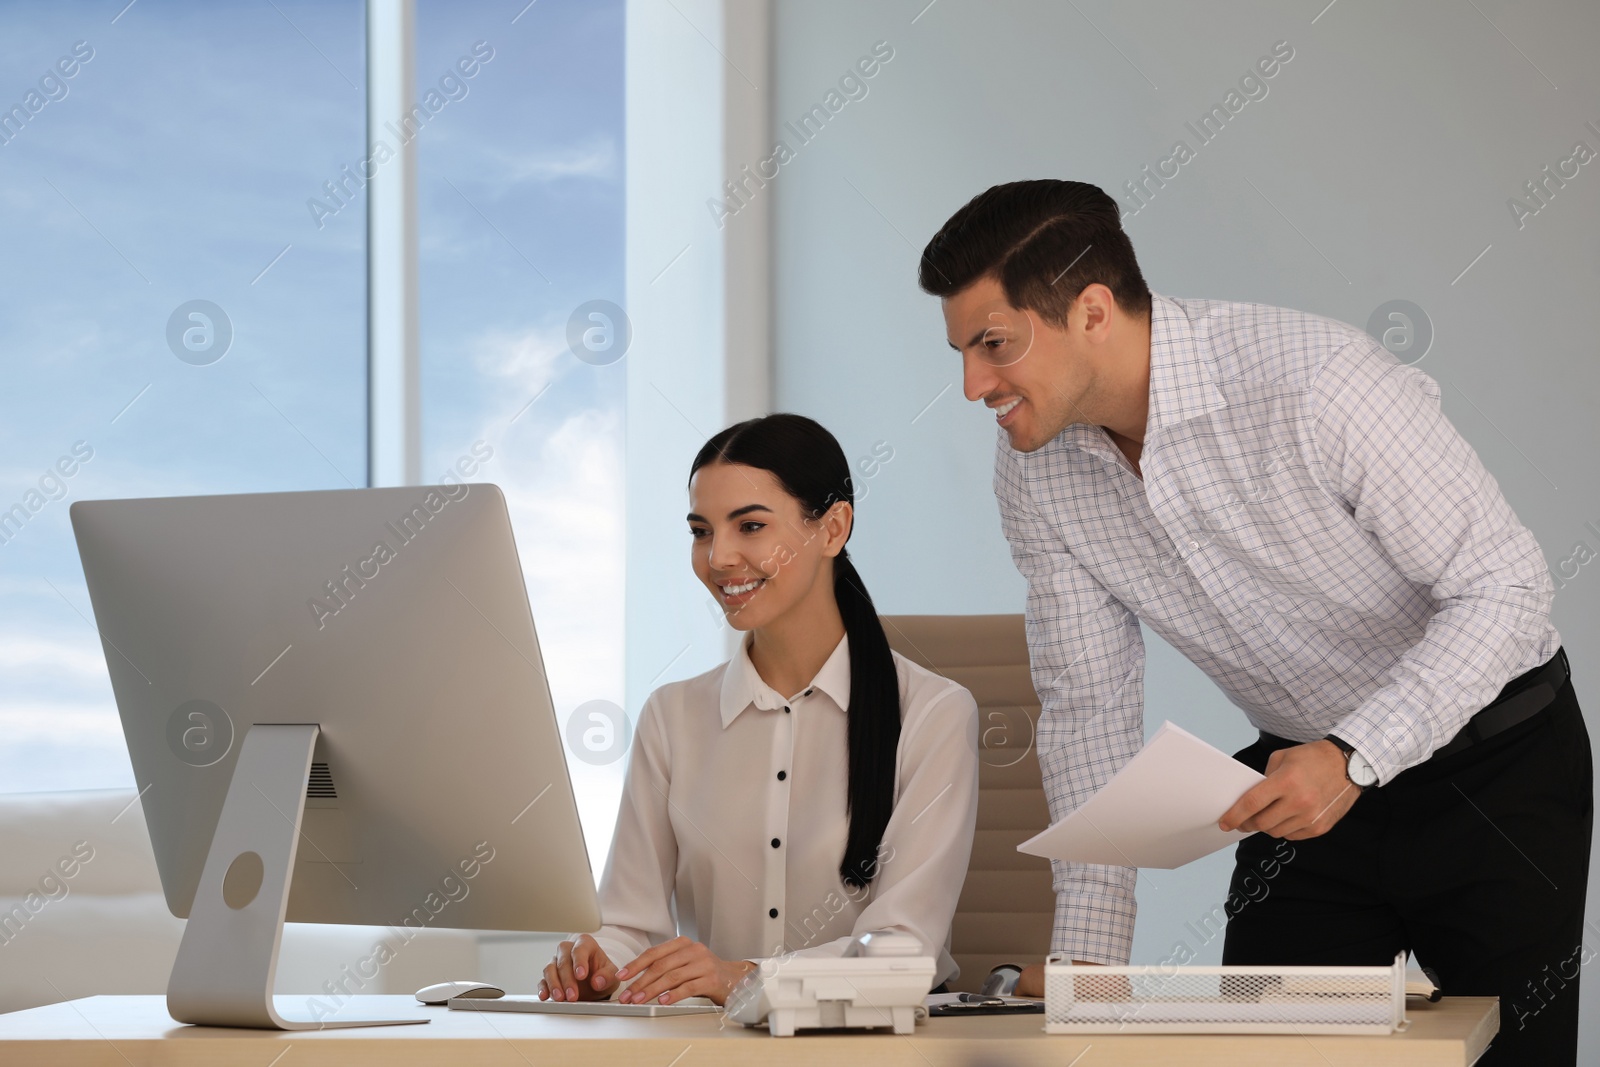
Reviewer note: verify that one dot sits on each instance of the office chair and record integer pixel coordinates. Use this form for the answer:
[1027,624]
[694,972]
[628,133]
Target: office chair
[1007,906]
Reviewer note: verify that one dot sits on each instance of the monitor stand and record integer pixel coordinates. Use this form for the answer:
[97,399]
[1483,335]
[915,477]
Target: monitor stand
[229,954]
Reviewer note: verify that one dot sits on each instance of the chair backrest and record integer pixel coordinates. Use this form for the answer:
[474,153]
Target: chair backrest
[1007,907]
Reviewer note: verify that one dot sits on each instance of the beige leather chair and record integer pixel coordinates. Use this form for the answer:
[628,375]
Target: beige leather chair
[1007,906]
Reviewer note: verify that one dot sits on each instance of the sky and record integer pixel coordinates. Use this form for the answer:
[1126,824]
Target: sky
[184,160]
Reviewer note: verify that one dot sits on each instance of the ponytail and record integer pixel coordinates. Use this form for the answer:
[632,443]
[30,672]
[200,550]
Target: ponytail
[873,722]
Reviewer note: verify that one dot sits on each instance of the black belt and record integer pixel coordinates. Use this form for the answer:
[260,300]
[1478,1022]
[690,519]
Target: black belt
[1523,697]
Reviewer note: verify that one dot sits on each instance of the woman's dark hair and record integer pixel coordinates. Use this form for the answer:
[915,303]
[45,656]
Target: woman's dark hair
[1044,241]
[810,465]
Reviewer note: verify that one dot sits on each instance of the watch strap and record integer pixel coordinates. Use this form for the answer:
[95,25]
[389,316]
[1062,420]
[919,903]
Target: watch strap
[1348,750]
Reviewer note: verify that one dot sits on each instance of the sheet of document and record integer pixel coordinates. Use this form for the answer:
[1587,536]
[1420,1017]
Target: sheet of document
[1160,810]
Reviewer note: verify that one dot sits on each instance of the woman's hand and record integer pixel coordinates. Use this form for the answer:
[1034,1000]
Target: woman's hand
[680,968]
[580,971]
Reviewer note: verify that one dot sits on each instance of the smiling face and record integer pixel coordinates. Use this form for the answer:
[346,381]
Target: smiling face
[755,548]
[1038,378]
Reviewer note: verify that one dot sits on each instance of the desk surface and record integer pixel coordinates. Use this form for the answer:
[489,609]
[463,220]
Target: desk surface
[123,1031]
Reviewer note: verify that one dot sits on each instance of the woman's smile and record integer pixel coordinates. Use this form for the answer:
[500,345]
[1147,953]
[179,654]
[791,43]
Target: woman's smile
[739,591]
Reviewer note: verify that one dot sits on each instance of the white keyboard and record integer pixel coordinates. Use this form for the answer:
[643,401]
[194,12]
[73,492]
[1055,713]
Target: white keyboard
[532,1004]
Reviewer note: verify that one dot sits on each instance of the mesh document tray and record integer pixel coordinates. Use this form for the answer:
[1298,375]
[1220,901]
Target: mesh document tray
[1166,999]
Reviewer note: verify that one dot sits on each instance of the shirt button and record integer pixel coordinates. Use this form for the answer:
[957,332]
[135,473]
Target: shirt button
[776,842]
[773,913]
[782,775]
[1194,546]
[786,711]
[808,692]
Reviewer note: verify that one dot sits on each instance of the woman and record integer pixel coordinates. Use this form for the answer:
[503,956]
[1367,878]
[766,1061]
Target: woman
[814,787]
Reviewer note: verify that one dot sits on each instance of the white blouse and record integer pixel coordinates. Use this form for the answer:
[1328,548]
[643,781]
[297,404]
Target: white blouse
[733,820]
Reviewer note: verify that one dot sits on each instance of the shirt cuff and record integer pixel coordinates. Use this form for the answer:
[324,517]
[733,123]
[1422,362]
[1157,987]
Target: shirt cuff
[1094,916]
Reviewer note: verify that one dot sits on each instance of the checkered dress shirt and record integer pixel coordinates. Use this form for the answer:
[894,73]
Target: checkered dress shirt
[1310,531]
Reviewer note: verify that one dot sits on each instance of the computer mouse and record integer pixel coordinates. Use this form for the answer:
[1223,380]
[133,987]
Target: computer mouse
[438,994]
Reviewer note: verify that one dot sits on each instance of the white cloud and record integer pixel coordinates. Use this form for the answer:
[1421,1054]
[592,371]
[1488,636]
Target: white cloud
[30,651]
[532,356]
[595,158]
[68,722]
[566,504]
[29,585]
[565,493]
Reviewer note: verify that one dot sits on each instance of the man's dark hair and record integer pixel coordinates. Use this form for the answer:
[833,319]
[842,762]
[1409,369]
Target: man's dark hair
[1044,241]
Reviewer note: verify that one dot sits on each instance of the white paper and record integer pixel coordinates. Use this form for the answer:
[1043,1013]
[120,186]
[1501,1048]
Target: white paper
[1160,810]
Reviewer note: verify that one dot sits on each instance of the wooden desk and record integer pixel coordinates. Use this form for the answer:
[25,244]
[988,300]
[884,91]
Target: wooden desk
[137,1032]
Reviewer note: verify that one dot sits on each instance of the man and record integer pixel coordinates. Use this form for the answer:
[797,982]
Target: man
[1280,500]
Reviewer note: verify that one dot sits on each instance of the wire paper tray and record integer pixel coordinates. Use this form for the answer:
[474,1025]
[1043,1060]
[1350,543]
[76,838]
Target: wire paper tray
[1166,999]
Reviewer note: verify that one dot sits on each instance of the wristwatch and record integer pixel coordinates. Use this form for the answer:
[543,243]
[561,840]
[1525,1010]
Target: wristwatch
[1356,768]
[1002,981]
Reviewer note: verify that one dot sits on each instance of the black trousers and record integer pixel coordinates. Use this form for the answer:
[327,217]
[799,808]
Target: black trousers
[1478,863]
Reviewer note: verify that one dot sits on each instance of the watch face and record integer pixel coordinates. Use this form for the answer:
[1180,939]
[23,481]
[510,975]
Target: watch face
[1361,772]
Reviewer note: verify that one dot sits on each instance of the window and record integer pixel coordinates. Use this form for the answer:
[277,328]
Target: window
[520,216]
[175,318]
[189,183]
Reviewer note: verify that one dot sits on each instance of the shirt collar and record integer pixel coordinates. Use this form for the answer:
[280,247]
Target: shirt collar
[742,686]
[1182,385]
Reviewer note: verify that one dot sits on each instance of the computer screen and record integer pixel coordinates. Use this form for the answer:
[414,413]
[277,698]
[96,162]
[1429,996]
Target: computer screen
[378,646]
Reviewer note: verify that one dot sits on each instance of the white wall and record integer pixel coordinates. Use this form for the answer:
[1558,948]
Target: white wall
[1377,167]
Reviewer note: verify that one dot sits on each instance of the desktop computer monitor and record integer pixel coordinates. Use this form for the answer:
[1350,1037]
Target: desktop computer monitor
[337,712]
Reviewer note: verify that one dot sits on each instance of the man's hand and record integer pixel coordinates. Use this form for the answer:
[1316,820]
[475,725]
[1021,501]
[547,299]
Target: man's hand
[1030,983]
[680,968]
[1305,794]
[580,971]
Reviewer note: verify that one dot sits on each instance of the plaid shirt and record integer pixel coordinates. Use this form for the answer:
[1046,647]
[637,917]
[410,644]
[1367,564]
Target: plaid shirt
[1310,531]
